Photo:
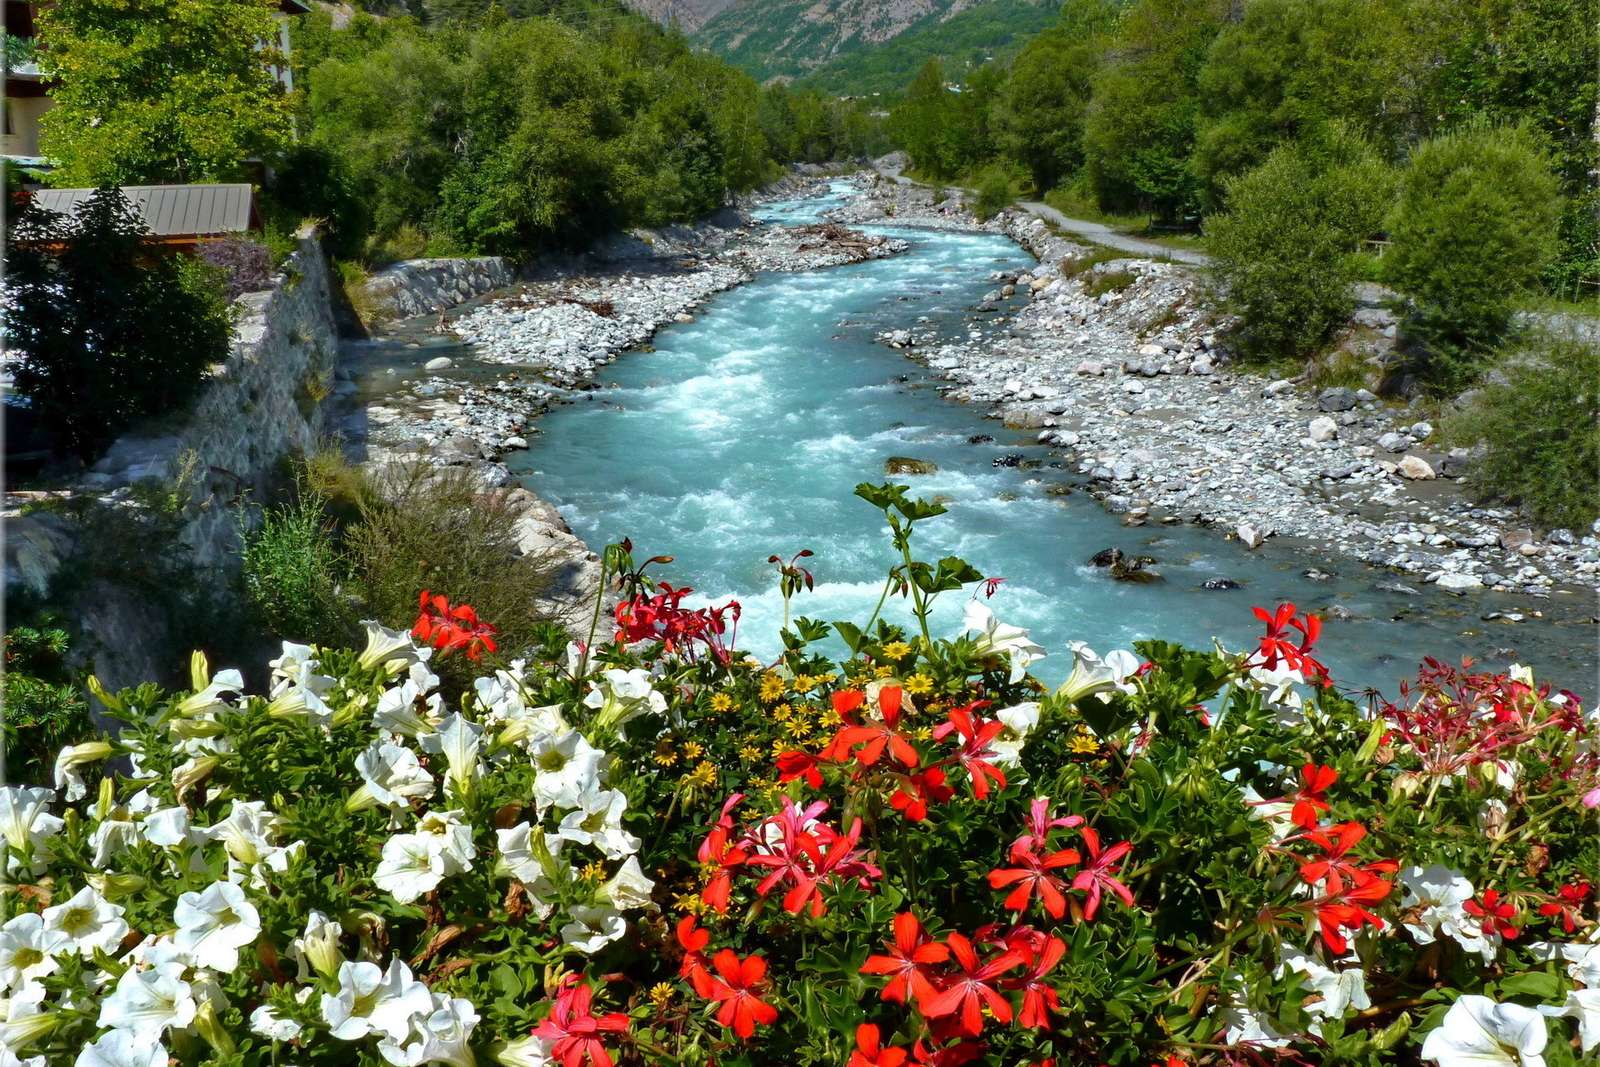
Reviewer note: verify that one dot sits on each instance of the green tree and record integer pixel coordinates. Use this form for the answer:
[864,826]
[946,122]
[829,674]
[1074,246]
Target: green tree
[1283,247]
[1473,227]
[111,333]
[1288,66]
[919,122]
[1538,418]
[1040,111]
[1140,129]
[160,90]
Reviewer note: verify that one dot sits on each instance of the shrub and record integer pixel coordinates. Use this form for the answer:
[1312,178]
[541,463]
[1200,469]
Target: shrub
[1100,282]
[439,529]
[294,573]
[1285,247]
[245,266]
[44,705]
[664,851]
[1538,417]
[993,193]
[109,332]
[1473,227]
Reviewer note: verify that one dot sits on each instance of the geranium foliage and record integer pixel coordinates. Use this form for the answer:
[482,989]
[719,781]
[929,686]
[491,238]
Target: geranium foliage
[651,848]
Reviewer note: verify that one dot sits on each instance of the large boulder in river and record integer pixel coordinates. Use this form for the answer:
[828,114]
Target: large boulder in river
[907,465]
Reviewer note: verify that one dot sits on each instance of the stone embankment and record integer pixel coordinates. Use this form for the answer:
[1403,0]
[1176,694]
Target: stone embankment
[424,286]
[1119,364]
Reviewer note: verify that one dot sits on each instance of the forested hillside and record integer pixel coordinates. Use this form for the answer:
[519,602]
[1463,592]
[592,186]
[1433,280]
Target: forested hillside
[793,38]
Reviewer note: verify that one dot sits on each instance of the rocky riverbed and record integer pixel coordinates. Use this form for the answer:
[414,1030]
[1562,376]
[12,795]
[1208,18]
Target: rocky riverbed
[1118,364]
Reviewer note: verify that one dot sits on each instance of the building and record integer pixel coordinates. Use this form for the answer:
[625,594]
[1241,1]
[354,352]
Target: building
[27,91]
[179,217]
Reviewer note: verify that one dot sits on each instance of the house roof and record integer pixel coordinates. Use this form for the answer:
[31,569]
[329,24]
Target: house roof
[173,210]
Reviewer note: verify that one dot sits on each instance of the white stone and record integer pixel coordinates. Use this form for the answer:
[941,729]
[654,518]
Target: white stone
[1249,536]
[1457,583]
[1415,468]
[439,363]
[1132,386]
[1323,429]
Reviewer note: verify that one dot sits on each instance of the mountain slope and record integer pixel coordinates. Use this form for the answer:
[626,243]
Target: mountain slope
[687,15]
[992,29]
[793,38]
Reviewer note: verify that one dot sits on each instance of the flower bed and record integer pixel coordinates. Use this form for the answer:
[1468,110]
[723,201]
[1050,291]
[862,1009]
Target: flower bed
[657,850]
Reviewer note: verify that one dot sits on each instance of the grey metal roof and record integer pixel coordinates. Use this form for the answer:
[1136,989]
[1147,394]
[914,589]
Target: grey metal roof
[172,210]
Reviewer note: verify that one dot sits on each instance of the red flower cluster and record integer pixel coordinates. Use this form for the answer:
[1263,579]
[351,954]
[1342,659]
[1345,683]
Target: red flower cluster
[450,629]
[1454,719]
[1278,647]
[574,1030]
[1566,904]
[736,984]
[679,629]
[1494,913]
[795,849]
[1033,875]
[955,986]
[881,750]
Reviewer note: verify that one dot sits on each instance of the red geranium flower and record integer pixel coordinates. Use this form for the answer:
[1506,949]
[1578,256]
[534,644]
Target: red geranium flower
[873,737]
[575,1031]
[1039,999]
[974,754]
[1040,823]
[1315,781]
[450,629]
[1346,911]
[969,990]
[917,790]
[910,961]
[1277,647]
[1494,913]
[870,1051]
[1100,871]
[694,941]
[1032,877]
[1335,865]
[796,764]
[1566,903]
[718,849]
[738,987]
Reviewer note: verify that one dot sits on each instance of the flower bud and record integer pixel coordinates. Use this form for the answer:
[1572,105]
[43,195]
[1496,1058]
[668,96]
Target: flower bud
[115,886]
[192,773]
[211,1029]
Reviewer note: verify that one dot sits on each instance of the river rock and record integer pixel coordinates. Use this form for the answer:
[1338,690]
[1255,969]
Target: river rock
[438,363]
[1220,583]
[1415,468]
[1133,385]
[1323,429]
[1421,430]
[907,465]
[514,443]
[1249,536]
[1513,540]
[1459,583]
[1336,399]
[1394,442]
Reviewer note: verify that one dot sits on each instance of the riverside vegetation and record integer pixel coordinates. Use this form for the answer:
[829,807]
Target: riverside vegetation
[648,847]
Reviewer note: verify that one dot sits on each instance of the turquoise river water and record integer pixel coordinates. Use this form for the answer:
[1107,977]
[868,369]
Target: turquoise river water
[743,434]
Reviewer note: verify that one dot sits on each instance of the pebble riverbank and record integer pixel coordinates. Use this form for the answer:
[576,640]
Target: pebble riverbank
[1118,364]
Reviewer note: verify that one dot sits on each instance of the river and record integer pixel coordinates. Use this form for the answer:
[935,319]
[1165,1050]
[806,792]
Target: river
[742,435]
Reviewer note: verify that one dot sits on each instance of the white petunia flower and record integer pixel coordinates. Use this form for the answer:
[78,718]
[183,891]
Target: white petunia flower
[219,693]
[452,837]
[997,638]
[1245,1027]
[1584,1006]
[597,821]
[1094,675]
[317,950]
[373,1001]
[89,921]
[1436,895]
[628,889]
[567,766]
[1277,814]
[110,838]
[297,688]
[23,1020]
[411,866]
[593,928]
[525,1052]
[1339,990]
[622,696]
[408,710]
[26,826]
[1280,692]
[1020,720]
[1582,957]
[458,741]
[393,650]
[392,778]
[148,1003]
[1477,1032]
[123,1048]
[439,1036]
[533,861]
[28,950]
[214,924]
[70,762]
[266,1021]
[169,828]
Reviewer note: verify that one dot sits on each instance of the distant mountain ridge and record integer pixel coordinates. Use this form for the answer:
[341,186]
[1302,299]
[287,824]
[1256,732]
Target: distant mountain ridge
[793,38]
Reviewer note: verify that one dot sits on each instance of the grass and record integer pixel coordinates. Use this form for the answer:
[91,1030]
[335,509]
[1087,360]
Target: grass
[1074,267]
[1108,281]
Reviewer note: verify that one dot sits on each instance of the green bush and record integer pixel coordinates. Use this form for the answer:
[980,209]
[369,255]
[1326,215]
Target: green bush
[1538,418]
[1285,248]
[993,193]
[294,573]
[438,529]
[1472,229]
[112,333]
[44,706]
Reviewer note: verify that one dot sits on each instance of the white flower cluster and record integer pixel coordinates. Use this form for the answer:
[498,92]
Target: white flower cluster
[421,769]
